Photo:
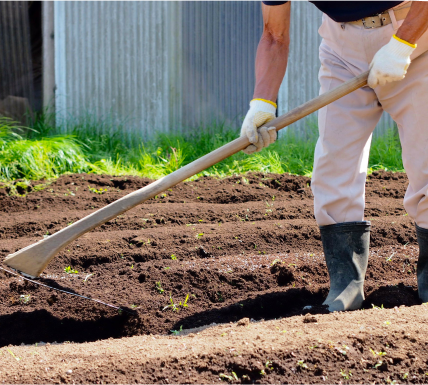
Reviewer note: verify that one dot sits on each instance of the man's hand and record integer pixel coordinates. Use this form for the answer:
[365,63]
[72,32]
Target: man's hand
[260,113]
[391,62]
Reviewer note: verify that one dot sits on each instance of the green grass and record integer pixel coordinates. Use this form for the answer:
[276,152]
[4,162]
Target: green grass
[44,152]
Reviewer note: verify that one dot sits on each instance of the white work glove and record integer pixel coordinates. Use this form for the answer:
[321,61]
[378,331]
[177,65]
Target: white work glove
[260,113]
[391,62]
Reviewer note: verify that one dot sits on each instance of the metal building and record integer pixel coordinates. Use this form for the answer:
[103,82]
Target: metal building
[157,66]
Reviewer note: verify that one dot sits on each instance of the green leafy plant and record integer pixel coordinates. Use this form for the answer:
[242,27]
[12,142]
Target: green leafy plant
[24,298]
[97,191]
[69,270]
[159,287]
[228,378]
[174,306]
[177,332]
[345,375]
[103,146]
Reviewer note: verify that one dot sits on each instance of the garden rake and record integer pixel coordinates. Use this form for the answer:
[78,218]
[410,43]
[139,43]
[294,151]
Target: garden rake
[33,259]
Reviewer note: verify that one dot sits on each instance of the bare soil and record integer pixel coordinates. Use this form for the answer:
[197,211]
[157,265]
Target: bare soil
[239,248]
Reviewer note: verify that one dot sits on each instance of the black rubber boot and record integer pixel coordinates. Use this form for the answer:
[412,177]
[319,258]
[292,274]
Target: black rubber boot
[346,249]
[422,268]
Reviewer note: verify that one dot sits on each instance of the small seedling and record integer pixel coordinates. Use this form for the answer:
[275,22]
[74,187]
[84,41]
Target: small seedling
[199,235]
[377,307]
[301,364]
[159,288]
[173,257]
[69,270]
[97,191]
[177,332]
[24,298]
[345,375]
[275,262]
[174,306]
[377,353]
[268,365]
[134,306]
[13,355]
[229,378]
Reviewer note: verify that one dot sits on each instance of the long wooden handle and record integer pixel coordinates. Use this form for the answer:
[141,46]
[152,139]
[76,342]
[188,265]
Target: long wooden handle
[33,259]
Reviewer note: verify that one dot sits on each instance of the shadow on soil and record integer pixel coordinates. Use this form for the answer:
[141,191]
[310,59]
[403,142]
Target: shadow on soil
[295,302]
[266,306]
[40,325]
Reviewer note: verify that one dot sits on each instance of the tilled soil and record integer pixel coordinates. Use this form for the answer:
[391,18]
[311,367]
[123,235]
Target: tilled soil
[206,252]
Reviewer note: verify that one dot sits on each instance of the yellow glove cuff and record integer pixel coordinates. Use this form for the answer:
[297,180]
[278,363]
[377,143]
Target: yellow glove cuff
[402,41]
[268,101]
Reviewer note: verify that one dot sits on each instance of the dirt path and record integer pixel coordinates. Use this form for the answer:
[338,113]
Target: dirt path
[371,346]
[240,247]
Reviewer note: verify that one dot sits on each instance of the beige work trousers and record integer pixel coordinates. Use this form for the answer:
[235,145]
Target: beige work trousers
[346,126]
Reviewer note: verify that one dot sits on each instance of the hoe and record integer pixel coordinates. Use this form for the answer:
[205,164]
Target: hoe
[33,259]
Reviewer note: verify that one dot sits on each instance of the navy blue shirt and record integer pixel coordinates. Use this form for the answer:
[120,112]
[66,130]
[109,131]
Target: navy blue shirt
[344,11]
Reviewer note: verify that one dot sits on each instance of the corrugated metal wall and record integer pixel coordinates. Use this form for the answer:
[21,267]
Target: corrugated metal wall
[16,68]
[117,59]
[219,45]
[173,65]
[160,65]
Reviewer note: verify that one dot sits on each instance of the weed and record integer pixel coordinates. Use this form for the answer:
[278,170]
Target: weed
[345,375]
[381,354]
[24,298]
[177,332]
[69,270]
[101,146]
[159,288]
[13,355]
[97,191]
[174,306]
[276,262]
[227,377]
[220,297]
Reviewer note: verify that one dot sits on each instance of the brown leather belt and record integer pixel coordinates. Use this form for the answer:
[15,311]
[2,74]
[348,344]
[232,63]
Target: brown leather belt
[383,18]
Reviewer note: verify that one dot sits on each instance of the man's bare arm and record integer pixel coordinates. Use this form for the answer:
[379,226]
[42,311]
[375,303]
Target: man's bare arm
[272,51]
[415,24]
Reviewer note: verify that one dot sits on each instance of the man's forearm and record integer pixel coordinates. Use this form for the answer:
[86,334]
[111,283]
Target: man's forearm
[415,24]
[271,63]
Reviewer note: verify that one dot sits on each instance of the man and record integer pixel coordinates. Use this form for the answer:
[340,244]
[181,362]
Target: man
[357,36]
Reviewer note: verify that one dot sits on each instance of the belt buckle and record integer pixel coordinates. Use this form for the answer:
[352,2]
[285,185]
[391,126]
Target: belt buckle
[373,24]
